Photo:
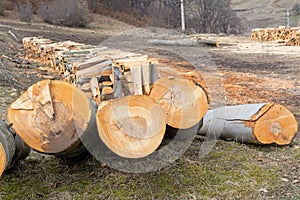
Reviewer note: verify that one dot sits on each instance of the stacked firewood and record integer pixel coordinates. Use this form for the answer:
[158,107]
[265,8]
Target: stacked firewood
[289,36]
[93,69]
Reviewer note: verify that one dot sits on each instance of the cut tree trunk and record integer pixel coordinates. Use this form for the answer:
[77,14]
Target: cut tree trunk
[7,147]
[184,103]
[131,127]
[51,116]
[12,148]
[254,123]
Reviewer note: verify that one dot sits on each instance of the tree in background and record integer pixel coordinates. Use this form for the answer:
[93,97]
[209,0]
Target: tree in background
[213,16]
[164,13]
[204,16]
[296,9]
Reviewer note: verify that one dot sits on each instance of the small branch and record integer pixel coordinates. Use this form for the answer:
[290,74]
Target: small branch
[14,36]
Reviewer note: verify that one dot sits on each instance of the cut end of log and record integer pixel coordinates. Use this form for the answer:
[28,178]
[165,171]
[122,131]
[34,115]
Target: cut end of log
[184,103]
[131,127]
[275,124]
[2,159]
[50,116]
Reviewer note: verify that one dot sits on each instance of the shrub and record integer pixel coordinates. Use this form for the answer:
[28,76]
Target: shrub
[296,9]
[93,5]
[25,12]
[3,8]
[63,13]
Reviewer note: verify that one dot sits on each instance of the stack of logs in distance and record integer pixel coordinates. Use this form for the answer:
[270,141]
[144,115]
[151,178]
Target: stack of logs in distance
[289,36]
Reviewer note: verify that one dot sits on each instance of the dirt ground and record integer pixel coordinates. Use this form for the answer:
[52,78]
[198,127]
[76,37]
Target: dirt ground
[251,73]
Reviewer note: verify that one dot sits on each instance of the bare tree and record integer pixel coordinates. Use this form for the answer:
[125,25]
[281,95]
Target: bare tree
[64,13]
[213,16]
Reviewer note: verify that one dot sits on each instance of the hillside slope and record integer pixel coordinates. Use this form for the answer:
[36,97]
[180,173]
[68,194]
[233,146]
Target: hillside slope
[265,13]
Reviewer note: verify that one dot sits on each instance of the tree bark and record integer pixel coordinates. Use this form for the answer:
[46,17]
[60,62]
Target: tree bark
[254,123]
[7,147]
[12,148]
[185,42]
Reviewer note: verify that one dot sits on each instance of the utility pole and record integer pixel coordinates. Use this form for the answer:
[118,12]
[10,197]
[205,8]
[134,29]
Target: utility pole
[182,17]
[288,19]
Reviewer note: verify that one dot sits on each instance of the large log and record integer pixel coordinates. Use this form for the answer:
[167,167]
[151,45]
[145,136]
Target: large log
[254,123]
[131,127]
[12,148]
[183,101]
[51,116]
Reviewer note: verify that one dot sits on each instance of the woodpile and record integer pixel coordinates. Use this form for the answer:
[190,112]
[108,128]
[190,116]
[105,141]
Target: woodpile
[290,37]
[53,117]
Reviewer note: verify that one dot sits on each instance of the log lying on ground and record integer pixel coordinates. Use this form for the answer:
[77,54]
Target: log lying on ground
[183,101]
[185,42]
[131,127]
[254,123]
[51,116]
[12,148]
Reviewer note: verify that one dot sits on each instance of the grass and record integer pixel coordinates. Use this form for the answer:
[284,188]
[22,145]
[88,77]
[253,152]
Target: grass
[230,171]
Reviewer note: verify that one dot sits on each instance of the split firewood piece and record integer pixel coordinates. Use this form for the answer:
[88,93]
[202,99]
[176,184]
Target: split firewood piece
[183,101]
[101,69]
[136,72]
[131,127]
[146,78]
[107,93]
[117,82]
[153,73]
[125,86]
[254,123]
[95,90]
[12,148]
[51,116]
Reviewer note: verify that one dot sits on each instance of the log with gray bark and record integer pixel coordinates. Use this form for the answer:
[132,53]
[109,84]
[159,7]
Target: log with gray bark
[265,123]
[12,148]
[184,42]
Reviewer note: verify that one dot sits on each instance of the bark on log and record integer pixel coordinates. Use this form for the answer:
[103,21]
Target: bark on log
[254,123]
[117,75]
[185,42]
[183,102]
[131,127]
[12,148]
[7,147]
[51,116]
